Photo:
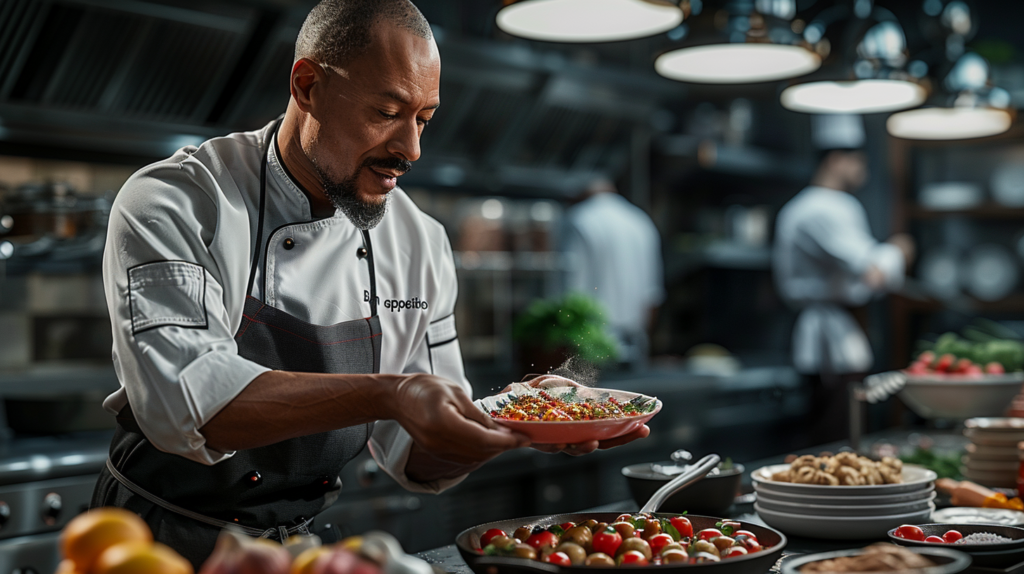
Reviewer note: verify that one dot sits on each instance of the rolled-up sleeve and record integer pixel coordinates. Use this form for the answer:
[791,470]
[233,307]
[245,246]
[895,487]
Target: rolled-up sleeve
[437,352]
[174,349]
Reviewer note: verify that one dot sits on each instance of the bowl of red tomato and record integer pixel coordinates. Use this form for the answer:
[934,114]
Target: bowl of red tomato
[990,545]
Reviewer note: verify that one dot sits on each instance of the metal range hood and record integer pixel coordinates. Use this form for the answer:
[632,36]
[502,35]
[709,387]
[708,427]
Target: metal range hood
[135,80]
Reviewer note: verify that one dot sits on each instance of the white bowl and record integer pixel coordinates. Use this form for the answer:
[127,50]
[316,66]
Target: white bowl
[989,452]
[1004,439]
[914,478]
[1001,479]
[898,498]
[1000,466]
[832,510]
[840,527]
[960,397]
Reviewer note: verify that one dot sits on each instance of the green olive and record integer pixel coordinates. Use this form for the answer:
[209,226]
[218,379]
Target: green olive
[522,533]
[704,546]
[638,544]
[652,527]
[674,557]
[580,535]
[502,542]
[624,529]
[577,555]
[589,523]
[701,557]
[525,551]
[599,527]
[722,542]
[673,546]
[599,560]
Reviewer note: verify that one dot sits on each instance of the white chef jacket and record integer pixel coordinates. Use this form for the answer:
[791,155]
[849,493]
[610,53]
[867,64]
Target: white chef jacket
[823,247]
[194,215]
[614,255]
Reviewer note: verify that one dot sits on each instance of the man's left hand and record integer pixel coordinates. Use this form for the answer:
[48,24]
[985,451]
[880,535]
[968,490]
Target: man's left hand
[588,447]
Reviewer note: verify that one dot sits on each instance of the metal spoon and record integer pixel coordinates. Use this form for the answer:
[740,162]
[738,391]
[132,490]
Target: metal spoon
[690,476]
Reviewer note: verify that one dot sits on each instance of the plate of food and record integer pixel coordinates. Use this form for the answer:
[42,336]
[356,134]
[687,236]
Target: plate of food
[569,414]
[845,474]
[881,557]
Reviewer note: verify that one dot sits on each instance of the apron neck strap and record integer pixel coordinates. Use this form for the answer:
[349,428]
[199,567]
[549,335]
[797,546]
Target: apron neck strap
[263,200]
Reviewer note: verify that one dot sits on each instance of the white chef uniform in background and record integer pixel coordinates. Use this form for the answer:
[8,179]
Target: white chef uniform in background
[614,254]
[201,206]
[823,249]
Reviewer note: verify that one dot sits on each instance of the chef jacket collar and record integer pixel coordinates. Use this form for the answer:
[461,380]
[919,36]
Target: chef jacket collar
[290,185]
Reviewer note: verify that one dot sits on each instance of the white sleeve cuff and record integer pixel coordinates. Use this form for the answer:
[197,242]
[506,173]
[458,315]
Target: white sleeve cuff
[889,260]
[390,445]
[208,384]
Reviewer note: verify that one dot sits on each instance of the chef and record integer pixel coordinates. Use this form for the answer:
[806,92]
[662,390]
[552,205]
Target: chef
[278,303]
[825,262]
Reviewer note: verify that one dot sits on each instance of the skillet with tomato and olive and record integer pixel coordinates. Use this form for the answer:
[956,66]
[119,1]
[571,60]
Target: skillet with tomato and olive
[630,540]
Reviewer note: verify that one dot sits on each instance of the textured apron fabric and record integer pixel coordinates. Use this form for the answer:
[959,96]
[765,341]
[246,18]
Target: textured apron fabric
[275,486]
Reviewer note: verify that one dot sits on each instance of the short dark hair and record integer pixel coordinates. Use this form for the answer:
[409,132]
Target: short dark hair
[337,31]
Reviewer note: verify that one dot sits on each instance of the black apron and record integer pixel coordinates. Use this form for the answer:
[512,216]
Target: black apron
[272,491]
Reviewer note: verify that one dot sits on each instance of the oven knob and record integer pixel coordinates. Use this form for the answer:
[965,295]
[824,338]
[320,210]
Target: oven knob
[52,505]
[5,513]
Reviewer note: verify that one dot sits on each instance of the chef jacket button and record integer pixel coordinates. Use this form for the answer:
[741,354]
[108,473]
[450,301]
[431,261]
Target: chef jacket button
[289,243]
[361,253]
[254,478]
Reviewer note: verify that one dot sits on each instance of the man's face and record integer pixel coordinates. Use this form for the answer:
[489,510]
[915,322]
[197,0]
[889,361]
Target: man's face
[368,118]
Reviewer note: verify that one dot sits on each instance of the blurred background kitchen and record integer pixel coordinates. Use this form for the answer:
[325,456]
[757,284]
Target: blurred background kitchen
[681,130]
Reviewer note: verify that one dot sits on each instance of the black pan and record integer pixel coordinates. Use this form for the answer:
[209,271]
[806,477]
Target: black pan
[468,540]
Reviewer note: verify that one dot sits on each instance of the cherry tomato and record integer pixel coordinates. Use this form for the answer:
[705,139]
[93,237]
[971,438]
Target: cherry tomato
[486,537]
[607,542]
[934,540]
[734,551]
[633,558]
[746,533]
[926,357]
[624,518]
[557,558]
[709,533]
[658,541]
[682,525]
[910,532]
[749,544]
[995,368]
[951,536]
[944,365]
[541,539]
[567,525]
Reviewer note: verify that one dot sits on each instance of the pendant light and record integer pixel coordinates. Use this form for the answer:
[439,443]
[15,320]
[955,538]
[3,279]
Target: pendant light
[588,20]
[973,108]
[757,44]
[868,78]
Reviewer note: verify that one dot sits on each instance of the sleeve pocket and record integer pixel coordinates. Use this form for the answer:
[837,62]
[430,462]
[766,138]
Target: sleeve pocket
[167,293]
[441,332]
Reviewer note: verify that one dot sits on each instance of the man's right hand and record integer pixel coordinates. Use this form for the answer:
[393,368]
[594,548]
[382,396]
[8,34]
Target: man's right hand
[444,422]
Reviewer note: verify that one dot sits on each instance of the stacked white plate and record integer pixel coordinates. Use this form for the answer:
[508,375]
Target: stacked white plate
[843,512]
[992,458]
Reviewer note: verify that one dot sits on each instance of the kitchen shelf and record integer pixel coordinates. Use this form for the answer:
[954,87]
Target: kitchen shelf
[989,211]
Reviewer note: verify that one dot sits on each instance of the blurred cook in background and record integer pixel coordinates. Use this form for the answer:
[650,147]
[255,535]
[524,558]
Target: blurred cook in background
[614,254]
[826,262]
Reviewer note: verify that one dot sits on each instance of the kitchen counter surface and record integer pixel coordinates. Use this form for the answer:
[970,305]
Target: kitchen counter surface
[447,558]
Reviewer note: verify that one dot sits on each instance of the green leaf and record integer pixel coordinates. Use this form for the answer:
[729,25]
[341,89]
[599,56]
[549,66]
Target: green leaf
[667,528]
[491,550]
[557,530]
[726,529]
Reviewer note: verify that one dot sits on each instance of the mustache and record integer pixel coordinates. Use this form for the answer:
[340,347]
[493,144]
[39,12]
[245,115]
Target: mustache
[393,163]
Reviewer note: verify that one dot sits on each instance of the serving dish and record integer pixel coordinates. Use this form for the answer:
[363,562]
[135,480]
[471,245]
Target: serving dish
[914,478]
[852,510]
[949,561]
[988,555]
[925,491]
[960,396]
[839,527]
[966,515]
[573,432]
[713,494]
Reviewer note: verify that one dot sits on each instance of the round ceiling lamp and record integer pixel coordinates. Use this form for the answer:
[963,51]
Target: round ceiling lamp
[948,123]
[873,80]
[737,63]
[755,44]
[853,97]
[588,20]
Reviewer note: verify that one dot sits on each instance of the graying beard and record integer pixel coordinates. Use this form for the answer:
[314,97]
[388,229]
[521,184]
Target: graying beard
[343,195]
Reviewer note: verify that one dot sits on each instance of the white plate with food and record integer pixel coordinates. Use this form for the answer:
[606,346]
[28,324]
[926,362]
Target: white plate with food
[912,478]
[839,527]
[774,505]
[964,515]
[925,492]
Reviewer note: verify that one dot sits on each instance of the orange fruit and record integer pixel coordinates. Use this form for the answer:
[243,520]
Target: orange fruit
[140,557]
[303,563]
[89,534]
[66,567]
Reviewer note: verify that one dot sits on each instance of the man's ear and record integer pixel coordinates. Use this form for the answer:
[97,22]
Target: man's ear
[305,75]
